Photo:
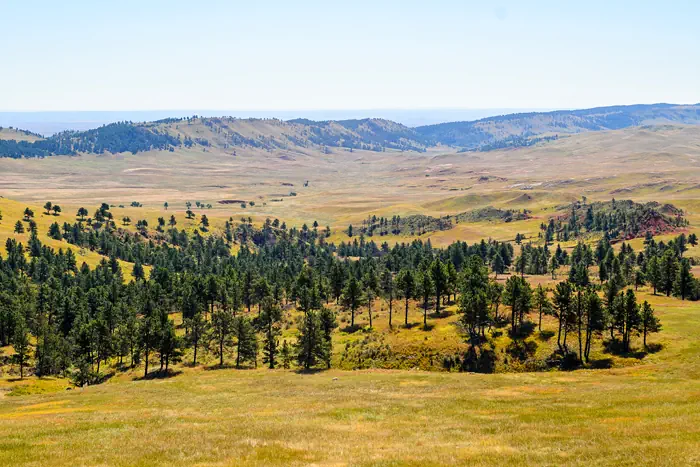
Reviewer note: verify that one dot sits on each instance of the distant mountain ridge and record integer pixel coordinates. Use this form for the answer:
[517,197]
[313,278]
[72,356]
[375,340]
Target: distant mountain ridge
[474,134]
[374,134]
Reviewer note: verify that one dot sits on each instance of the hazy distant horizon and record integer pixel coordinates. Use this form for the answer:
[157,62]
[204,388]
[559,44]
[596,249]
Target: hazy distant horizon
[50,122]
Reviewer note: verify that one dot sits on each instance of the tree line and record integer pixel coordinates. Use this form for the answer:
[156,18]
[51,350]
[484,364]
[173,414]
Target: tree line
[82,318]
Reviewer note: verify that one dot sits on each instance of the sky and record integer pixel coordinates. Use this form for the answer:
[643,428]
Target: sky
[286,55]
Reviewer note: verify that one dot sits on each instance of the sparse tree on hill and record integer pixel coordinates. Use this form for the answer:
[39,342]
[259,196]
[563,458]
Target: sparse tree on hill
[683,283]
[407,285]
[197,327]
[439,277]
[270,320]
[563,298]
[222,324]
[286,355]
[425,291]
[650,323]
[498,265]
[388,290]
[517,295]
[246,341]
[370,284]
[352,298]
[20,343]
[542,303]
[311,347]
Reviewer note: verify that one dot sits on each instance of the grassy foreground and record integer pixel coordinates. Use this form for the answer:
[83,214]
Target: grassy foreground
[648,414]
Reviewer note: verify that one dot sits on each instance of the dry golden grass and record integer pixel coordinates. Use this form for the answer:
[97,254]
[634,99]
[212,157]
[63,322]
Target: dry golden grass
[645,414]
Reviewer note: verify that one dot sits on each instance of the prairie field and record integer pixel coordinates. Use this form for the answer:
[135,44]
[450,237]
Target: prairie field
[644,414]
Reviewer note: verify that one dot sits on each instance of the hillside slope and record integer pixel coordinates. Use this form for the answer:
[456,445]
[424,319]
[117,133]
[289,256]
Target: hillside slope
[517,129]
[15,134]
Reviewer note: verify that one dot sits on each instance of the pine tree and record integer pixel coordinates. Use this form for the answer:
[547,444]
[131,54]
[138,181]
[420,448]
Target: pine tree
[439,277]
[425,291]
[270,321]
[631,318]
[310,346]
[370,283]
[517,295]
[668,271]
[542,303]
[683,283]
[650,323]
[198,328]
[286,355]
[20,343]
[498,265]
[327,322]
[246,341]
[222,324]
[406,284]
[352,298]
[562,305]
[388,290]
[595,319]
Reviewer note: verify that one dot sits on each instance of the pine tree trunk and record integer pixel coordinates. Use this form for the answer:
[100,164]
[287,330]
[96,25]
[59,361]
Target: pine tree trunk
[194,359]
[369,310]
[390,311]
[580,318]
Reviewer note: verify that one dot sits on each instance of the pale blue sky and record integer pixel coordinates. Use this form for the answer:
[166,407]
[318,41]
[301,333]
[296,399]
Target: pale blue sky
[261,55]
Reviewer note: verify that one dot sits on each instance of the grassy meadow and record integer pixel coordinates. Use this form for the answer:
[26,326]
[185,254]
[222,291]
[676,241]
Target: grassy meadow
[644,414]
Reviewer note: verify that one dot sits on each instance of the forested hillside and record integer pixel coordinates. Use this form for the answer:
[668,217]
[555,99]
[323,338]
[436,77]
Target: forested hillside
[519,129]
[78,320]
[224,133]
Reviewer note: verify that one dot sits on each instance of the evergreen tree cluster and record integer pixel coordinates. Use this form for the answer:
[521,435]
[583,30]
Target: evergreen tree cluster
[114,138]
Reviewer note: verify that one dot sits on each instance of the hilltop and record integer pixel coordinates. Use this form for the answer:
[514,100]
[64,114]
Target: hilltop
[518,129]
[15,134]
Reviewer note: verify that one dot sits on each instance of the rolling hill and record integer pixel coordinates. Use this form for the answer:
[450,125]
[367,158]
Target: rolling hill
[514,130]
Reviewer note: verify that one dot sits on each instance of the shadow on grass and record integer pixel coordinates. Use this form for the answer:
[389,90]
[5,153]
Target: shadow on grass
[443,314]
[524,330]
[351,329]
[565,360]
[159,375]
[601,363]
[310,371]
[615,347]
[545,335]
[428,327]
